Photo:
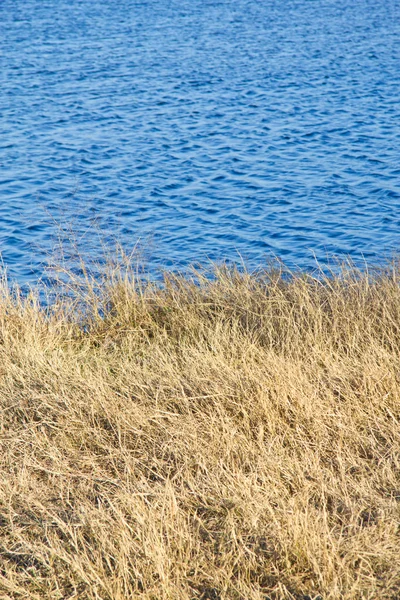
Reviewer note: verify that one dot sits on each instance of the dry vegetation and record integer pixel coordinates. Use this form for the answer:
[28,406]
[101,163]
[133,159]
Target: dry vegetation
[227,439]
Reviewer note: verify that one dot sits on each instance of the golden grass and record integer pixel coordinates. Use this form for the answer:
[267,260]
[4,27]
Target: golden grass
[234,438]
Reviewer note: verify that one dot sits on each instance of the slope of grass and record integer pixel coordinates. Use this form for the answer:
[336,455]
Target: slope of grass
[209,439]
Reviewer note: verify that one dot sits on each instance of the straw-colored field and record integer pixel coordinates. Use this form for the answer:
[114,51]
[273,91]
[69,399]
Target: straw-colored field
[234,439]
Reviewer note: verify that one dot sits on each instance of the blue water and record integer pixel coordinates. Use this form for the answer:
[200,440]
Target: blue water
[204,129]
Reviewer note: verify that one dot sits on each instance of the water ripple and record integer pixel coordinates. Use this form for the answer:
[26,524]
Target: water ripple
[204,129]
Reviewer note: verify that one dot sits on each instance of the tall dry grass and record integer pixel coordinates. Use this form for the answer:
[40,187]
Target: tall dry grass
[227,438]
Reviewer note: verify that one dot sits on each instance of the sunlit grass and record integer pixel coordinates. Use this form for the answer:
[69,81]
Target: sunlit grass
[227,437]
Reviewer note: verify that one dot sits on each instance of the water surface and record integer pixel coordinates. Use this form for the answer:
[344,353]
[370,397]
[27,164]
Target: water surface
[206,129]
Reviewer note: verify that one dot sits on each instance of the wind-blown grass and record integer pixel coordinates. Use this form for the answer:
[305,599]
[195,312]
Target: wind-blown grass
[234,437]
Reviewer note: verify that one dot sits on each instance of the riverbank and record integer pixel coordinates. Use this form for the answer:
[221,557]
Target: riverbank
[235,438]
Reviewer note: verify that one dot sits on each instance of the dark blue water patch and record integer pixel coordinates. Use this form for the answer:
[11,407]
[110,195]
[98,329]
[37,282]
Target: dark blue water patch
[202,129]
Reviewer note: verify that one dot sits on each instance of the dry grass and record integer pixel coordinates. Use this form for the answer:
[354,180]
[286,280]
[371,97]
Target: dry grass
[226,439]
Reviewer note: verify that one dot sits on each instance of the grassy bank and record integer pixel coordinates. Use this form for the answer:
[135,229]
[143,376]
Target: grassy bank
[228,439]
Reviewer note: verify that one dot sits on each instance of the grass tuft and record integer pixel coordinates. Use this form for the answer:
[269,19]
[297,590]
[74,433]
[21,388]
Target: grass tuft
[224,437]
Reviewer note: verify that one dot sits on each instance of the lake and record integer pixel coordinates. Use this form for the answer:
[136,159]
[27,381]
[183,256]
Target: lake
[200,130]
